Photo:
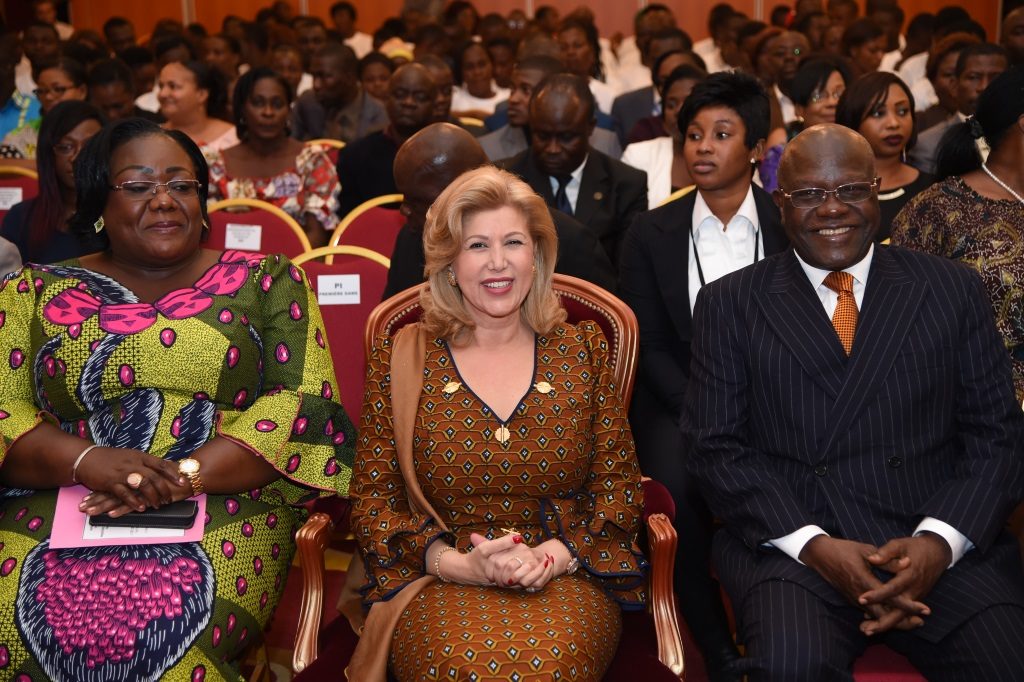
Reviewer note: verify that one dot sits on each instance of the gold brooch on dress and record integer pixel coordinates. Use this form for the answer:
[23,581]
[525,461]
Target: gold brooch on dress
[543,387]
[451,387]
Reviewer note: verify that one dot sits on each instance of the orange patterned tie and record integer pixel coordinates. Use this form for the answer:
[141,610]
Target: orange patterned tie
[844,319]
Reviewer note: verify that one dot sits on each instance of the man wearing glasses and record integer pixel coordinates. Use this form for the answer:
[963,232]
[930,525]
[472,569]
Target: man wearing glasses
[854,426]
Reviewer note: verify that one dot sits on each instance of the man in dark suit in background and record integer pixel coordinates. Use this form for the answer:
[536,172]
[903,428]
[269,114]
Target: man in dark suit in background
[864,465]
[425,165]
[561,166]
[364,166]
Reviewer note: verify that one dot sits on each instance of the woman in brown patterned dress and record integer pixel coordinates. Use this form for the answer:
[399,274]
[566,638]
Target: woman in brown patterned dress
[522,447]
[976,214]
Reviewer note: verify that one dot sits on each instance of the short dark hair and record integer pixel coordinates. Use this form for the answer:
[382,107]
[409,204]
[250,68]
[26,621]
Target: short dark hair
[347,60]
[92,173]
[979,50]
[543,11]
[172,42]
[812,76]
[953,42]
[674,33]
[69,67]
[680,73]
[860,32]
[568,83]
[48,211]
[230,41]
[737,91]
[35,23]
[719,16]
[110,71]
[649,9]
[922,25]
[865,94]
[375,58]
[256,34]
[541,62]
[344,7]
[116,22]
[1000,106]
[590,33]
[243,90]
[136,56]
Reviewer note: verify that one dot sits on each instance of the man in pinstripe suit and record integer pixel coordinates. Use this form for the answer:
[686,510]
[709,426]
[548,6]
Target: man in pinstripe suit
[864,488]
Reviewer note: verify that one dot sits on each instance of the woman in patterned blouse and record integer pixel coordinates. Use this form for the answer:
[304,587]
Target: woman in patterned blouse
[975,214]
[270,165]
[522,447]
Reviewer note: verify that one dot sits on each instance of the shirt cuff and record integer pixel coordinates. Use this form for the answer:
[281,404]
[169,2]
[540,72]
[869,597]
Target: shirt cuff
[793,543]
[957,541]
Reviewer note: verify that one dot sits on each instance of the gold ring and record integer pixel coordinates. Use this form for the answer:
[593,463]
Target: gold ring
[134,480]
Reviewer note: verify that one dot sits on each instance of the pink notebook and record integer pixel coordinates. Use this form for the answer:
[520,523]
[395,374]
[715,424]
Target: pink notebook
[71,528]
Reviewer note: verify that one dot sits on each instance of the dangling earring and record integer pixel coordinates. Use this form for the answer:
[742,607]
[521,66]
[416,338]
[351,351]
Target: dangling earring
[534,269]
[451,278]
[98,225]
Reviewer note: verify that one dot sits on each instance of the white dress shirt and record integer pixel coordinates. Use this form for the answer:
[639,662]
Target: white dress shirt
[462,100]
[793,543]
[786,105]
[654,157]
[572,190]
[722,248]
[361,43]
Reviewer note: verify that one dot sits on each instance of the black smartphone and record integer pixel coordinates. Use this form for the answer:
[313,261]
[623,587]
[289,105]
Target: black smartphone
[174,515]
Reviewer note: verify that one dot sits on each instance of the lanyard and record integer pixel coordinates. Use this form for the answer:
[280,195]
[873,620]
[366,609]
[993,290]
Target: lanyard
[696,256]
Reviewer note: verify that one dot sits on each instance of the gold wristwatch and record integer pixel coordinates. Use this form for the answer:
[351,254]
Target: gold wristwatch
[189,468]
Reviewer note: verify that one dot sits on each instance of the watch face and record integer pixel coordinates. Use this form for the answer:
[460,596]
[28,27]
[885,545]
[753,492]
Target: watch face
[188,466]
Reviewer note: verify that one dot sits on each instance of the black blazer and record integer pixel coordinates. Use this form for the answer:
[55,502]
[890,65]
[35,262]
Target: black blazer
[630,107]
[611,194]
[921,420]
[654,280]
[579,255]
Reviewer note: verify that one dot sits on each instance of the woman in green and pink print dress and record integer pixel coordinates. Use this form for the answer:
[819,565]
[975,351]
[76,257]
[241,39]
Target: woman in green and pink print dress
[156,350]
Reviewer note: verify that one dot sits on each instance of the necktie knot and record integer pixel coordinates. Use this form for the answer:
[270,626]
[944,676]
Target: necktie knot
[840,282]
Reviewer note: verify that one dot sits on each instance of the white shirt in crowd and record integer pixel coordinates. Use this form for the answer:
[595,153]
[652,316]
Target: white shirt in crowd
[463,101]
[793,543]
[722,248]
[361,43]
[786,105]
[654,157]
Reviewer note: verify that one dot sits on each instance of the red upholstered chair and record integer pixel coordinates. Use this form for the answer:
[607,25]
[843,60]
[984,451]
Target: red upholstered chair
[344,319]
[650,648]
[268,228]
[372,225]
[17,184]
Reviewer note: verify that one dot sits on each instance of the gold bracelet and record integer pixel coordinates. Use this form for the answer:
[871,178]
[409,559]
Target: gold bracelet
[78,460]
[437,563]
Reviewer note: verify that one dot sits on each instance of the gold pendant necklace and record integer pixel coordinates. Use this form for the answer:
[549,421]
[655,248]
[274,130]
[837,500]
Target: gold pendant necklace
[502,434]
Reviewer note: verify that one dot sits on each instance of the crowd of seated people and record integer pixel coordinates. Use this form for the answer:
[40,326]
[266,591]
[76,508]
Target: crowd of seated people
[651,165]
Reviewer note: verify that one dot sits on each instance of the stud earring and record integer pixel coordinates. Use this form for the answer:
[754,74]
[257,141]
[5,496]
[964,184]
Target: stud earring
[98,225]
[451,278]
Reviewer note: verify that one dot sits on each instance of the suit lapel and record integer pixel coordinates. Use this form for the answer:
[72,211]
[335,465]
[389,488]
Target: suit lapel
[794,311]
[594,188]
[890,307]
[670,258]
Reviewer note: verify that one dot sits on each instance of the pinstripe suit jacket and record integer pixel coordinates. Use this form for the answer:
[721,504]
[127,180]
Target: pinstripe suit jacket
[920,420]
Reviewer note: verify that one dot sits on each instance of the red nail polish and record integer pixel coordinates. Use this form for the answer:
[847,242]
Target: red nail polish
[511,582]
[546,562]
[518,539]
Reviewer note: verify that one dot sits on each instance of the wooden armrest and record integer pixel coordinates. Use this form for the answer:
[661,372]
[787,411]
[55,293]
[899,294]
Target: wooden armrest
[311,541]
[662,541]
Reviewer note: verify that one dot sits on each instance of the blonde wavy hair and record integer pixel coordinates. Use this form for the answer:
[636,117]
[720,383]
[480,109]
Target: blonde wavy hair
[484,189]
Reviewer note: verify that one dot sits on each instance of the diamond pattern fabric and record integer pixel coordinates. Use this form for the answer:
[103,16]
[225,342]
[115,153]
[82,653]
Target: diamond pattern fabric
[844,319]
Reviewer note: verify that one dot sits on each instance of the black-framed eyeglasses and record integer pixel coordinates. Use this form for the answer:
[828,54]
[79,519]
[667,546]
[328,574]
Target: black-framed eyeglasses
[144,189]
[850,193]
[58,90]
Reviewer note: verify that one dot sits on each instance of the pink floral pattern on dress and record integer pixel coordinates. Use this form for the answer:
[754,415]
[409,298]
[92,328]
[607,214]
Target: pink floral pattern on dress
[310,187]
[74,306]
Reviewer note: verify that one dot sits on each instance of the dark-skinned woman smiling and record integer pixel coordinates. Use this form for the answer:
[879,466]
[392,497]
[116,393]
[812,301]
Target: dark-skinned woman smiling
[149,372]
[668,255]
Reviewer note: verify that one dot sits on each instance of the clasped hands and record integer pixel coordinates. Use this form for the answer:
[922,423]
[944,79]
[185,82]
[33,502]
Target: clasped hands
[123,480]
[506,561]
[916,564]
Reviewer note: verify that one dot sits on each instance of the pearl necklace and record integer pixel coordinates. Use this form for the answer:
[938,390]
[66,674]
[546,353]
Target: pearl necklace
[1002,184]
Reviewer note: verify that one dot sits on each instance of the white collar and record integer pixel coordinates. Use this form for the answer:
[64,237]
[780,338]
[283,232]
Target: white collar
[577,175]
[859,270]
[747,210]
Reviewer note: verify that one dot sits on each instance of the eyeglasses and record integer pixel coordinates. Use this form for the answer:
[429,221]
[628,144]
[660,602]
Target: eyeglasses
[67,148]
[820,95]
[57,90]
[143,189]
[850,193]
